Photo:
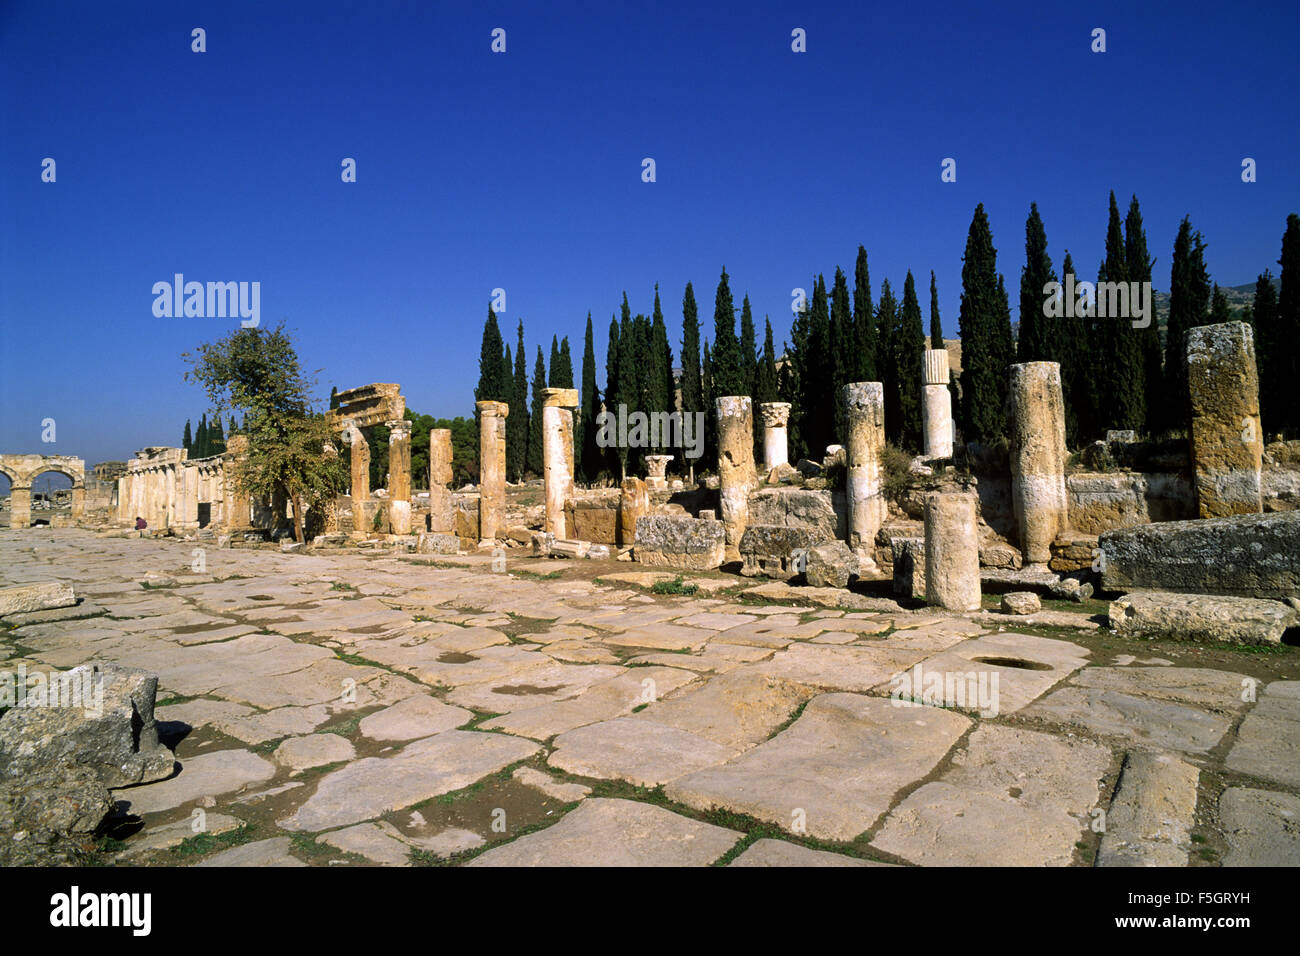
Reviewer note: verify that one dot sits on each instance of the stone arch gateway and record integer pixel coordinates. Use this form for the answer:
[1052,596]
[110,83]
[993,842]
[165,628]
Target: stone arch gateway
[21,470]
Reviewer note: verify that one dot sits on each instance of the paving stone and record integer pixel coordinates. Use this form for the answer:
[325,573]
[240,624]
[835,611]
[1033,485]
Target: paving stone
[412,718]
[661,637]
[604,832]
[316,750]
[168,835]
[1268,740]
[273,852]
[1007,781]
[1262,827]
[206,775]
[768,852]
[555,789]
[737,710]
[641,752]
[840,763]
[447,842]
[551,681]
[856,668]
[372,841]
[1150,820]
[614,697]
[366,788]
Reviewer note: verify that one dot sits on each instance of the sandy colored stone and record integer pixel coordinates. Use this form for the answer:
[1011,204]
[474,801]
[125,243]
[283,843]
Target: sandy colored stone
[209,774]
[1226,437]
[607,832]
[316,750]
[412,718]
[840,763]
[1038,455]
[1261,827]
[555,789]
[737,710]
[1150,821]
[769,852]
[1268,740]
[1006,781]
[864,410]
[374,841]
[1201,617]
[952,561]
[639,751]
[169,835]
[263,853]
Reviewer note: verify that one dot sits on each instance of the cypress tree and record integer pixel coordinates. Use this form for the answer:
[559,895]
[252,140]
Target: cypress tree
[692,390]
[710,410]
[843,363]
[908,343]
[1140,263]
[765,379]
[612,458]
[1220,311]
[334,396]
[660,382]
[865,339]
[727,373]
[936,326]
[553,381]
[564,378]
[1074,368]
[1122,377]
[491,383]
[984,344]
[1287,349]
[216,439]
[817,403]
[188,441]
[200,449]
[748,352]
[1189,306]
[589,452]
[887,322]
[230,428]
[534,462]
[517,430]
[1038,333]
[1264,318]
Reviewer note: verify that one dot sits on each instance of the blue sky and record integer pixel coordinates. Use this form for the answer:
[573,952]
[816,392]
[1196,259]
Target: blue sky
[522,170]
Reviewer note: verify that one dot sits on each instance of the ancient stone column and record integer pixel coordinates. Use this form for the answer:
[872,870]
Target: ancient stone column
[440,517]
[633,502]
[775,416]
[492,467]
[360,463]
[656,469]
[936,407]
[236,510]
[1038,457]
[557,454]
[399,476]
[187,496]
[20,506]
[952,552]
[864,405]
[737,475]
[1227,442]
[78,502]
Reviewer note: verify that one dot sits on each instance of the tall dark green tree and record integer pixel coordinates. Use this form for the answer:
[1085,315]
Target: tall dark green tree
[817,402]
[1264,319]
[659,385]
[843,363]
[903,392]
[985,325]
[1140,264]
[1123,373]
[710,456]
[188,441]
[334,396]
[1287,342]
[517,430]
[554,364]
[200,449]
[216,440]
[748,351]
[612,458]
[887,322]
[1075,367]
[936,325]
[864,331]
[1189,306]
[1039,334]
[692,391]
[1220,311]
[492,384]
[564,378]
[535,418]
[589,463]
[765,380]
[728,377]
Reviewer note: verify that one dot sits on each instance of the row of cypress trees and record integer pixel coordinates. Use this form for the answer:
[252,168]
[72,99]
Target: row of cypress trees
[208,440]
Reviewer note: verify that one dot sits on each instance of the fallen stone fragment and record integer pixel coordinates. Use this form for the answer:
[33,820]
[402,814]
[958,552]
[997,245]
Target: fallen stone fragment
[831,565]
[605,832]
[315,750]
[1021,602]
[1201,617]
[36,597]
[204,776]
[555,789]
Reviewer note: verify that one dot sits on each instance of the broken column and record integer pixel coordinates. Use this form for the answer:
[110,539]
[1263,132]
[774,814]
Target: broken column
[633,502]
[936,408]
[775,416]
[491,467]
[952,552]
[656,471]
[330,506]
[1038,455]
[736,473]
[361,507]
[20,505]
[1227,443]
[557,453]
[864,405]
[235,510]
[441,519]
[399,476]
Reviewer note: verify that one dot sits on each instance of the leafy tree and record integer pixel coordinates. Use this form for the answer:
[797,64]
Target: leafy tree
[1122,375]
[887,321]
[748,350]
[765,383]
[1220,311]
[200,449]
[258,371]
[334,396]
[492,382]
[565,376]
[1075,370]
[692,387]
[843,365]
[903,391]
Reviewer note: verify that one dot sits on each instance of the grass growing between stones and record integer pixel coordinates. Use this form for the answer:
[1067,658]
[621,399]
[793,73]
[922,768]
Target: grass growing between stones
[538,576]
[204,843]
[675,586]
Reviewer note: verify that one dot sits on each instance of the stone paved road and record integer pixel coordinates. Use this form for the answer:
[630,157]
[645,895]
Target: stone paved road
[348,708]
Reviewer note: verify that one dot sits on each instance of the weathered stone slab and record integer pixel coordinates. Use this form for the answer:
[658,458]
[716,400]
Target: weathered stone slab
[662,637]
[1268,740]
[174,834]
[412,718]
[366,788]
[831,565]
[1227,440]
[374,841]
[1260,827]
[909,567]
[856,668]
[1254,555]
[772,550]
[273,852]
[737,710]
[616,833]
[549,682]
[769,852]
[835,770]
[555,789]
[315,750]
[1007,781]
[639,751]
[679,542]
[820,510]
[1150,821]
[41,596]
[206,775]
[1169,615]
